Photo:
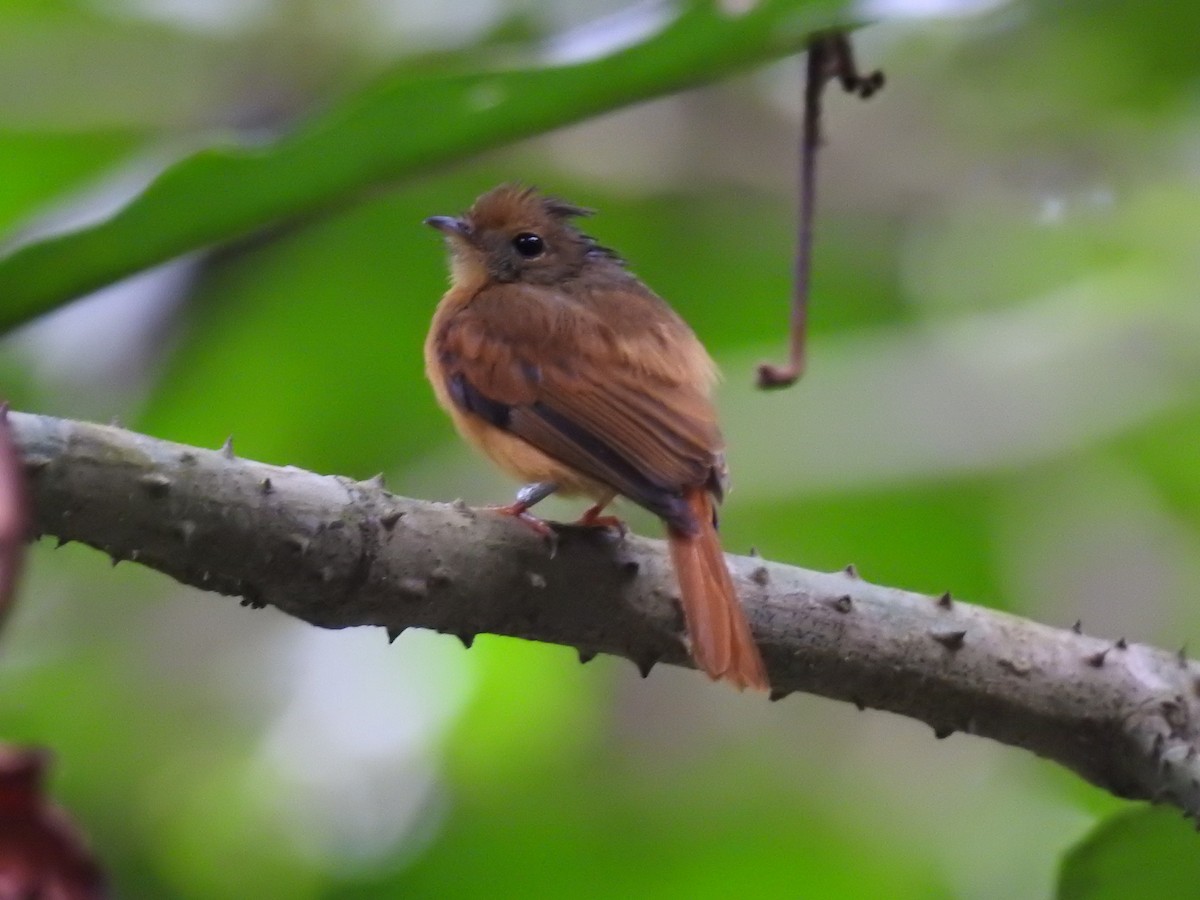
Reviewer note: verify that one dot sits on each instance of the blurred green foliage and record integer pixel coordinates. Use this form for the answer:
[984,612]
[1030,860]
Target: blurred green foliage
[406,123]
[1002,401]
[1142,853]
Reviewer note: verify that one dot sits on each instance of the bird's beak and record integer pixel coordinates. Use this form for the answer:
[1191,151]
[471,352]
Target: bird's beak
[450,226]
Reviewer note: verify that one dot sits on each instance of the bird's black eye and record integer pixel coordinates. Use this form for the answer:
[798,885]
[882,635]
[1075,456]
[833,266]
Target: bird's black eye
[529,245]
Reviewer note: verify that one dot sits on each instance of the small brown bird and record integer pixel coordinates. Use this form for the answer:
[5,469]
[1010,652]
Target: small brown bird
[569,373]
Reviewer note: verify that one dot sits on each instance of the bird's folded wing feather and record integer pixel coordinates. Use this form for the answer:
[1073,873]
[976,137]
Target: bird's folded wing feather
[621,398]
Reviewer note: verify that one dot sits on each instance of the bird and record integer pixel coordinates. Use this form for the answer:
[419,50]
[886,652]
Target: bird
[558,364]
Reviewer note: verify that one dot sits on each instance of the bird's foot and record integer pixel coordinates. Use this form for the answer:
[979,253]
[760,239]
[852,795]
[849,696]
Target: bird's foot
[592,519]
[520,511]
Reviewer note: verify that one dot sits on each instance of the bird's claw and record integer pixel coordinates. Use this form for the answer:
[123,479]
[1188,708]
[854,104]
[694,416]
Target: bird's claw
[520,512]
[592,519]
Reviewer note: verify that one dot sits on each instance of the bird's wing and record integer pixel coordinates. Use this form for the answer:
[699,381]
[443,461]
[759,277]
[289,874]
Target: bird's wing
[616,387]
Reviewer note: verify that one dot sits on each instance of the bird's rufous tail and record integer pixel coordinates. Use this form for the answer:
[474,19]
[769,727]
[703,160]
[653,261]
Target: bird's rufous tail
[722,645]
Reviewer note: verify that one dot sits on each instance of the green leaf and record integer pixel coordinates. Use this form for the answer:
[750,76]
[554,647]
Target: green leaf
[37,167]
[404,125]
[1143,853]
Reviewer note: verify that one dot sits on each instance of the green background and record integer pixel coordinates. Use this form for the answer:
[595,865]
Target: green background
[1002,401]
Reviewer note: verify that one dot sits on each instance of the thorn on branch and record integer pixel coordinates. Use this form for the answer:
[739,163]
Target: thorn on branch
[252,596]
[467,638]
[35,465]
[1175,714]
[951,640]
[394,631]
[1121,644]
[851,571]
[1078,626]
[945,601]
[778,694]
[299,543]
[842,604]
[389,519]
[645,664]
[227,448]
[155,484]
[1016,666]
[414,588]
[585,656]
[265,486]
[942,732]
[1096,660]
[761,576]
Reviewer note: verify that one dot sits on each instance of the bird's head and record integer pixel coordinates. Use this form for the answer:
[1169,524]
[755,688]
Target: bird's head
[514,233]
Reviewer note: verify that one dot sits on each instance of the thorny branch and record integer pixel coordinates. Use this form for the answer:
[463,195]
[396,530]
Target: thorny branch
[337,552]
[829,56]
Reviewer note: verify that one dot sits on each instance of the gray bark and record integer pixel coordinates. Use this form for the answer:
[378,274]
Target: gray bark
[337,552]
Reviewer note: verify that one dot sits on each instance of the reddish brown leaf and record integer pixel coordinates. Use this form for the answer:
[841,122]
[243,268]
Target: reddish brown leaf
[42,853]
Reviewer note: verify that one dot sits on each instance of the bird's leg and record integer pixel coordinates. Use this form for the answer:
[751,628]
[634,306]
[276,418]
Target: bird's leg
[528,496]
[592,518]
